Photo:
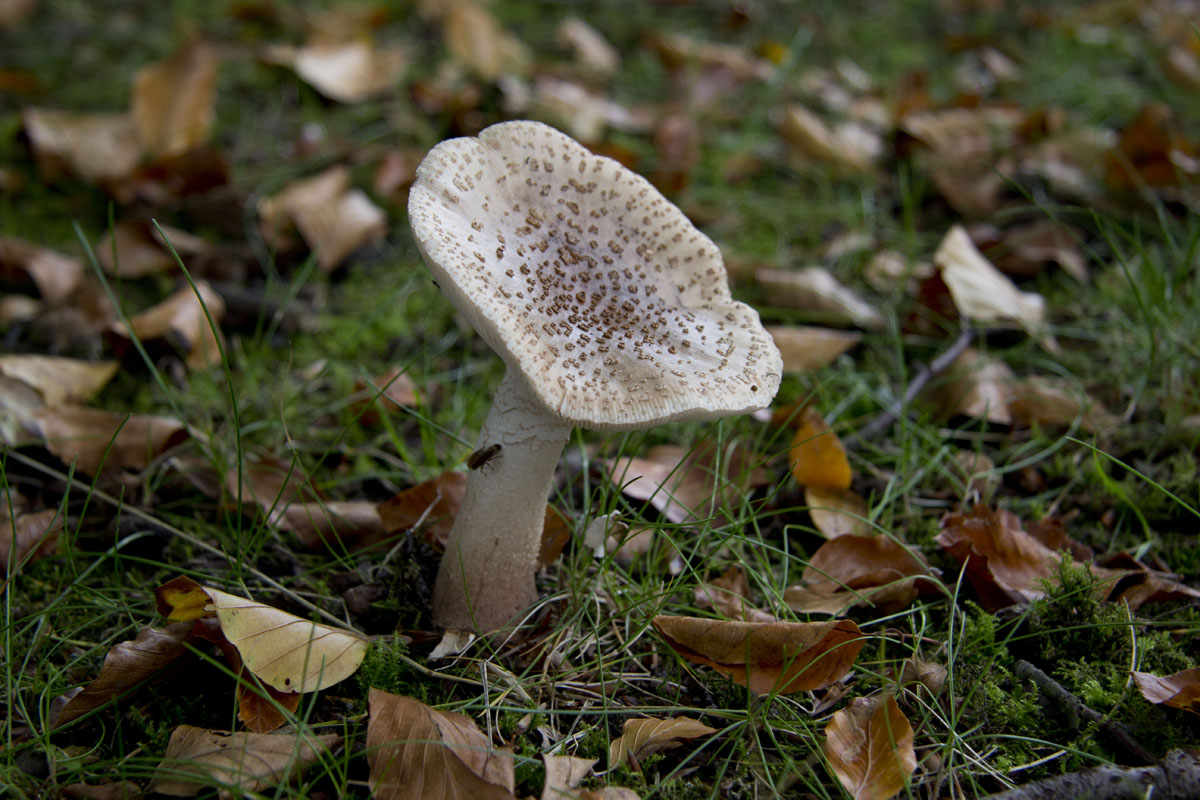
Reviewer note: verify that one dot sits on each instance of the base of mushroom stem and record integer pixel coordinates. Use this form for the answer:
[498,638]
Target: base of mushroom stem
[462,608]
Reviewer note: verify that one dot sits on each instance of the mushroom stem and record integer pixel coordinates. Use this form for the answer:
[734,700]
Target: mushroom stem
[486,576]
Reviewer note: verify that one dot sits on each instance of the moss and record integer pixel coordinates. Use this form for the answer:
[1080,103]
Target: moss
[384,668]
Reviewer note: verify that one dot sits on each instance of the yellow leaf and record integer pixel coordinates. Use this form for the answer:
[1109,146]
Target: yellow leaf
[642,737]
[817,456]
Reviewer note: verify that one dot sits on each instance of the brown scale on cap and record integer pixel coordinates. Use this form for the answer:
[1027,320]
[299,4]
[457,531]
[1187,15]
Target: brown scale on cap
[585,278]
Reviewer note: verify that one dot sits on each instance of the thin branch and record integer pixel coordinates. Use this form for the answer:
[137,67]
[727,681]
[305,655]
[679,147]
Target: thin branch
[1177,777]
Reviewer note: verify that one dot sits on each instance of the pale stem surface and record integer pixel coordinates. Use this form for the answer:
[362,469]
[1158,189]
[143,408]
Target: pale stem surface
[487,573]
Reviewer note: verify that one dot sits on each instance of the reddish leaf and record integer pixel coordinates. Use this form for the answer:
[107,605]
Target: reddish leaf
[1179,690]
[849,570]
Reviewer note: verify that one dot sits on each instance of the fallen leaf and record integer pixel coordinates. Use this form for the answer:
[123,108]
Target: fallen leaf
[929,674]
[183,318]
[432,503]
[55,275]
[857,570]
[870,748]
[390,390]
[25,537]
[334,219]
[806,348]
[261,708]
[564,773]
[1058,401]
[729,594]
[350,70]
[975,385]
[59,381]
[815,289]
[94,147]
[680,51]
[182,599]
[644,737]
[197,758]
[136,249]
[817,456]
[128,665]
[837,512]
[849,146]
[284,651]
[173,102]
[274,486]
[415,751]
[1026,250]
[91,438]
[109,790]
[476,40]
[336,526]
[980,291]
[580,111]
[14,13]
[1179,690]
[766,657]
[1151,152]
[591,50]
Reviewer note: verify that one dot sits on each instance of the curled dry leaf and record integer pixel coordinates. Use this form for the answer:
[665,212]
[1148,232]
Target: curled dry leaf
[817,456]
[687,485]
[837,512]
[1025,250]
[349,70]
[564,773]
[284,651]
[55,275]
[182,318]
[976,385]
[805,348]
[815,289]
[93,147]
[93,439]
[979,290]
[25,537]
[849,146]
[644,737]
[127,665]
[415,752]
[431,504]
[1179,690]
[680,51]
[729,594]
[850,570]
[591,50]
[870,748]
[1057,401]
[477,41]
[173,102]
[197,758]
[766,657]
[334,219]
[136,249]
[59,381]
[182,599]
[580,111]
[337,526]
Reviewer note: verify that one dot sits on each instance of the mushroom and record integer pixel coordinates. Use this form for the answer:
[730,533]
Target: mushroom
[610,310]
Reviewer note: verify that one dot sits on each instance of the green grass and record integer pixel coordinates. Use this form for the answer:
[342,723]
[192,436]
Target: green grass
[1129,338]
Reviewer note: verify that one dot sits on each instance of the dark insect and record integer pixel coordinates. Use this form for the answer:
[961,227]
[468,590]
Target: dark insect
[483,455]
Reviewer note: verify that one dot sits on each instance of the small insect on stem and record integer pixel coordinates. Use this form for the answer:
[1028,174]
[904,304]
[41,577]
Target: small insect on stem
[483,455]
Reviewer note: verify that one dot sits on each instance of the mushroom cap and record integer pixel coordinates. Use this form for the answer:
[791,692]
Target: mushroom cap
[589,282]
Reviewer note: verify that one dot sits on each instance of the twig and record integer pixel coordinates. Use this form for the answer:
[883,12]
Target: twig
[925,374]
[1075,710]
[1177,777]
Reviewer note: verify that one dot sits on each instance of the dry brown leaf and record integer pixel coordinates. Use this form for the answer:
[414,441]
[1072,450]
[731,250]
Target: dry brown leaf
[1179,690]
[1057,401]
[683,484]
[1025,250]
[123,790]
[766,657]
[1004,564]
[729,594]
[334,219]
[259,708]
[417,752]
[564,773]
[55,275]
[127,665]
[476,40]
[1151,152]
[850,570]
[59,381]
[837,512]
[644,737]
[183,319]
[394,388]
[805,348]
[197,758]
[870,748]
[580,111]
[815,289]
[976,385]
[980,291]
[284,651]
[591,50]
[173,102]
[849,146]
[90,437]
[350,70]
[680,51]
[337,526]
[94,147]
[25,537]
[135,249]
[13,13]
[817,456]
[273,485]
[433,504]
